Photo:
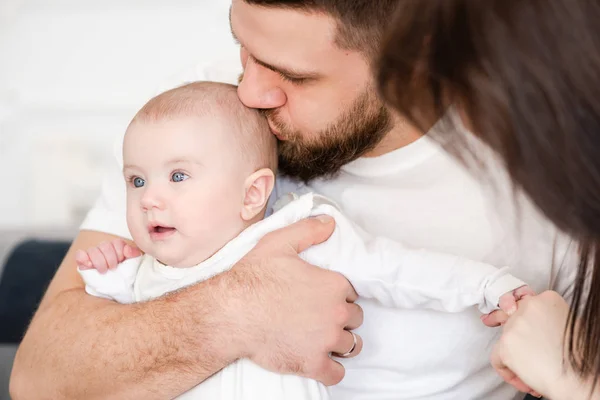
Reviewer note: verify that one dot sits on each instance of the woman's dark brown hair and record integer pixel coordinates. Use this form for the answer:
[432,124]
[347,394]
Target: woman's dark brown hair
[526,74]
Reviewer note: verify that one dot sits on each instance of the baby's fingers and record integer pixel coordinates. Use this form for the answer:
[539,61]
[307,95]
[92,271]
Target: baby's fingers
[494,319]
[118,245]
[98,259]
[112,252]
[523,291]
[508,303]
[83,260]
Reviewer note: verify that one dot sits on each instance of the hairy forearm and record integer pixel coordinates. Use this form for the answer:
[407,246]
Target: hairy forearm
[79,346]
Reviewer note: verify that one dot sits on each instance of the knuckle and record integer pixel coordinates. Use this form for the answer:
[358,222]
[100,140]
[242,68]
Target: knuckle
[342,314]
[334,338]
[550,296]
[105,247]
[322,366]
[339,282]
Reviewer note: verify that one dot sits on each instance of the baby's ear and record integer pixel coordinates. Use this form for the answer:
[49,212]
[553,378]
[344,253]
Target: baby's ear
[258,188]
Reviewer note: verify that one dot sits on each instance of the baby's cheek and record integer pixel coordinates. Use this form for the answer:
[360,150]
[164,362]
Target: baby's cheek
[207,223]
[136,226]
[203,221]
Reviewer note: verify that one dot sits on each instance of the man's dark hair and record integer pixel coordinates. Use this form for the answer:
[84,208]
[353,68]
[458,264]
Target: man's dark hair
[361,23]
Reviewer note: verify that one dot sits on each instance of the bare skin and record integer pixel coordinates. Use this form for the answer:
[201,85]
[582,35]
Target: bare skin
[533,333]
[79,346]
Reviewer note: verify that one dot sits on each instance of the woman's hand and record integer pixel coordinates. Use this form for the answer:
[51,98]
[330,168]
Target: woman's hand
[531,349]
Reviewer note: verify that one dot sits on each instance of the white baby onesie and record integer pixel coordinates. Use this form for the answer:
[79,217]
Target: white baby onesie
[377,267]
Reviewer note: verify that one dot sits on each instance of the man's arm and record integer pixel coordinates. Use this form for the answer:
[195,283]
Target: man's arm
[79,346]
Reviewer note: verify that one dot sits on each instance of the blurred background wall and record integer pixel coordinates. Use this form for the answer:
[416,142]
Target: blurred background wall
[72,74]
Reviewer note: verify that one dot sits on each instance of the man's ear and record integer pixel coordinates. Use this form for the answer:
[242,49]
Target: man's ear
[258,188]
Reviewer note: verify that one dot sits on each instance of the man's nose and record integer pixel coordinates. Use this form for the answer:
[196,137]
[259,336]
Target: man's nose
[259,88]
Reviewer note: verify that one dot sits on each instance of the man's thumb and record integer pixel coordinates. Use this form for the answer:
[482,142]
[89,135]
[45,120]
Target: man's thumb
[309,232]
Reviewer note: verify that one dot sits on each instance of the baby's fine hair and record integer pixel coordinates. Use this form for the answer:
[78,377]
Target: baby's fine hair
[255,141]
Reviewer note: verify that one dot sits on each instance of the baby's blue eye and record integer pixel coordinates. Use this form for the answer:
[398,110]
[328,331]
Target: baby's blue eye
[138,182]
[179,177]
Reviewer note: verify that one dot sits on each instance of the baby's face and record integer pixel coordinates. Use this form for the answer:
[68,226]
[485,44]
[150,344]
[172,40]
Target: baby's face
[185,188]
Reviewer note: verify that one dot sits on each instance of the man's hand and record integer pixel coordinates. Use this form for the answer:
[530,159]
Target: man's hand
[105,256]
[295,314]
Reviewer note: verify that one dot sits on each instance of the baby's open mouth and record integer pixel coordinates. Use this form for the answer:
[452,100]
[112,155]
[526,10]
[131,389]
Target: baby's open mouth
[159,232]
[161,229]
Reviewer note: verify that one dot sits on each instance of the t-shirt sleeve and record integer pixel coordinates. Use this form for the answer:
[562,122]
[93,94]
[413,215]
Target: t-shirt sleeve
[402,277]
[109,211]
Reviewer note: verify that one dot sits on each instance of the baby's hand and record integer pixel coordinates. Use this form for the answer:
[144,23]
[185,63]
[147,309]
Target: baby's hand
[508,301]
[106,255]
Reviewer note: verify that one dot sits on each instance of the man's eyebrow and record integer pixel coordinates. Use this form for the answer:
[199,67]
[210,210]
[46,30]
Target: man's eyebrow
[287,72]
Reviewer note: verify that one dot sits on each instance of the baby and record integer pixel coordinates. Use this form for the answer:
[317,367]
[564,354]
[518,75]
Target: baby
[200,168]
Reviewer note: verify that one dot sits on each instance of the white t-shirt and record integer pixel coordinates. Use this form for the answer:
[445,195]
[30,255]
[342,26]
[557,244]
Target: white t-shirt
[378,268]
[419,196]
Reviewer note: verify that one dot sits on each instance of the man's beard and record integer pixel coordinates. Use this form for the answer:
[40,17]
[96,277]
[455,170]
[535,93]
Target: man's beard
[357,131]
